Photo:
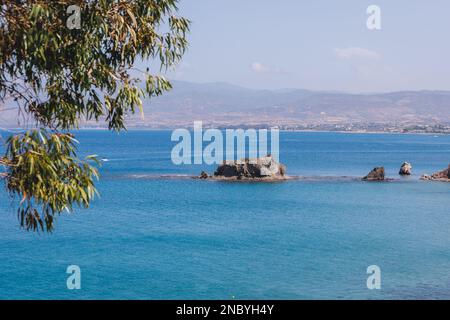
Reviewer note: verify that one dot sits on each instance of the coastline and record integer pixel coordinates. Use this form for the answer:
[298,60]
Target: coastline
[7,129]
[283,130]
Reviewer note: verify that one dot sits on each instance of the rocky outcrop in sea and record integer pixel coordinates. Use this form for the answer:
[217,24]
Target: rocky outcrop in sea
[267,169]
[377,174]
[443,175]
[405,169]
[264,168]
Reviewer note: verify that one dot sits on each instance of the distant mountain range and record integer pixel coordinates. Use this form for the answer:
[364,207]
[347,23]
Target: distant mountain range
[225,105]
[222,104]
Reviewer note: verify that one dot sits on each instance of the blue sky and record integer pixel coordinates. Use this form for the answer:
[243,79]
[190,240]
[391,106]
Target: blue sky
[317,44]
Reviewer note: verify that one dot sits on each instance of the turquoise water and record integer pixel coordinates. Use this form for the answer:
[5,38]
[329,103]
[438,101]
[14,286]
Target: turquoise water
[179,238]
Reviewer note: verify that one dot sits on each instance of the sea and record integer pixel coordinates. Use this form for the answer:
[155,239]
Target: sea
[157,233]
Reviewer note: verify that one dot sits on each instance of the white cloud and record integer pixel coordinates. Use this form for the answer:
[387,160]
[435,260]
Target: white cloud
[259,67]
[180,70]
[355,52]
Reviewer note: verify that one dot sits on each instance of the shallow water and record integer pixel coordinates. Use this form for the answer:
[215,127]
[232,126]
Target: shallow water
[153,237]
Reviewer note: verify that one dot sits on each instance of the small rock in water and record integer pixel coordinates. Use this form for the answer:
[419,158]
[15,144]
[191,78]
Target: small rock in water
[405,169]
[204,175]
[443,175]
[377,174]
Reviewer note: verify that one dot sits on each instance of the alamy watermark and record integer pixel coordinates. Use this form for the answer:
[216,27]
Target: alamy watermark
[374,19]
[374,278]
[74,19]
[230,144]
[74,280]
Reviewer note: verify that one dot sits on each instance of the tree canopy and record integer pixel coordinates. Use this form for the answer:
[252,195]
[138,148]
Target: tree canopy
[62,74]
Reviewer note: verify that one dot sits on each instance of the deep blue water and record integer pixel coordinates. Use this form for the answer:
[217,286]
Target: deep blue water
[150,238]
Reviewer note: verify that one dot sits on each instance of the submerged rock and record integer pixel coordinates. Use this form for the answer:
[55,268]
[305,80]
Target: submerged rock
[377,174]
[443,175]
[258,168]
[405,169]
[203,175]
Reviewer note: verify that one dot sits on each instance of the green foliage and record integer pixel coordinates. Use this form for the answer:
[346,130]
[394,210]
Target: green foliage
[44,170]
[62,76]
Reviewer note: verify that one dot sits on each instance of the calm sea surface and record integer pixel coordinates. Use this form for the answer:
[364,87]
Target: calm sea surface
[179,238]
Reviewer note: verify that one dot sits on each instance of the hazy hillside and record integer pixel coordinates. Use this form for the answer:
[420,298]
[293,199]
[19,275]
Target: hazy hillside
[222,104]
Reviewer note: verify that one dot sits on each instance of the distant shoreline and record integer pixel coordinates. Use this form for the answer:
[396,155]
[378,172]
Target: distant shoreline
[284,130]
[370,132]
[281,130]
